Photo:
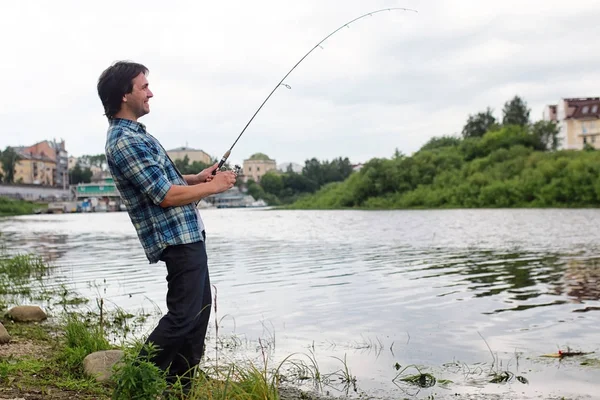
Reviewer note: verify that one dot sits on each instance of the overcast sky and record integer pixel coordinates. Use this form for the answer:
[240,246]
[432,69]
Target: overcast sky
[390,81]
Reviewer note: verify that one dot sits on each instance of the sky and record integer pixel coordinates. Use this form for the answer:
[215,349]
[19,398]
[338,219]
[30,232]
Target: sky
[390,81]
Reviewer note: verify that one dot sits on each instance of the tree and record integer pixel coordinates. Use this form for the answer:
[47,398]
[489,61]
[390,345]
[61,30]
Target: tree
[79,175]
[397,154]
[439,142]
[97,160]
[477,125]
[325,172]
[546,133]
[9,158]
[515,112]
[272,182]
[185,168]
[298,183]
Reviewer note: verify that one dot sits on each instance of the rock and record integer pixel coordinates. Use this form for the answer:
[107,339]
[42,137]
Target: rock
[27,314]
[100,364]
[4,336]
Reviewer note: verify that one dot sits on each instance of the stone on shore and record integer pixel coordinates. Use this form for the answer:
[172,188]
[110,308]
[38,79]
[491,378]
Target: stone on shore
[99,365]
[4,336]
[27,314]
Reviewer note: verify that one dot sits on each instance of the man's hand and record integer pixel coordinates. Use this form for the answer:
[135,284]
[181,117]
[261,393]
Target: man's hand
[222,181]
[206,174]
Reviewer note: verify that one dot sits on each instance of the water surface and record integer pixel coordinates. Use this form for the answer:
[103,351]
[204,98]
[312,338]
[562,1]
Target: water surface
[375,287]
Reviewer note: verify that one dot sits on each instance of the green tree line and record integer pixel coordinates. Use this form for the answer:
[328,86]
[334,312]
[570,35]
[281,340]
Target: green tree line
[508,163]
[278,188]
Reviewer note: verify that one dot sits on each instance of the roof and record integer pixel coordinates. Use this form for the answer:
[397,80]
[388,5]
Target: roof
[259,156]
[38,157]
[185,148]
[582,108]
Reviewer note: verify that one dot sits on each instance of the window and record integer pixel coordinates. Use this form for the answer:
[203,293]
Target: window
[593,139]
[585,109]
[583,128]
[594,108]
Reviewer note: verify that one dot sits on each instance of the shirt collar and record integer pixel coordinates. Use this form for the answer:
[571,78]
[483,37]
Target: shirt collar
[127,123]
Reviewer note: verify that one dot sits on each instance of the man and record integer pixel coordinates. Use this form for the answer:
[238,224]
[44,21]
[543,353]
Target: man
[162,207]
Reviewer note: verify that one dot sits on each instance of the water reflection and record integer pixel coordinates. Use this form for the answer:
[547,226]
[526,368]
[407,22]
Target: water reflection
[582,280]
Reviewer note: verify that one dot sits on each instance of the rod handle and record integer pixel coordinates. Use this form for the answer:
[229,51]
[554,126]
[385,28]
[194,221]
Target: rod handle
[223,159]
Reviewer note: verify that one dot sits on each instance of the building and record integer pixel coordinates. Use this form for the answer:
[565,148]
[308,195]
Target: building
[73,161]
[257,165]
[44,163]
[192,154]
[34,169]
[99,195]
[578,120]
[61,175]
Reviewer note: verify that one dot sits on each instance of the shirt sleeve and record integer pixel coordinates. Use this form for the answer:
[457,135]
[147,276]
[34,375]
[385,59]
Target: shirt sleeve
[136,162]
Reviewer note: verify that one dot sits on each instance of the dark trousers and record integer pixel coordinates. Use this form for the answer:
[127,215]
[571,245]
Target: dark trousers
[180,333]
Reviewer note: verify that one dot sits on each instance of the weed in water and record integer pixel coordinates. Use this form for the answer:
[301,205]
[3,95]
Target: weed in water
[344,374]
[420,379]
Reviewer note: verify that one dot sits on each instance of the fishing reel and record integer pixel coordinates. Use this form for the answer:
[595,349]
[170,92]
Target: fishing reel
[236,169]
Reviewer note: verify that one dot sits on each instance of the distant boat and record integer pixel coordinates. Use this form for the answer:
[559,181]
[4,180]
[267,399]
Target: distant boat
[258,203]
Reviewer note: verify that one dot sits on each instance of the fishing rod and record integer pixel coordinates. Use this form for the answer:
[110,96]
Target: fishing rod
[228,152]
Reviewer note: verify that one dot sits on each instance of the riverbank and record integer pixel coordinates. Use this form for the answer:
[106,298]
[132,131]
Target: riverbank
[11,207]
[45,360]
[71,352]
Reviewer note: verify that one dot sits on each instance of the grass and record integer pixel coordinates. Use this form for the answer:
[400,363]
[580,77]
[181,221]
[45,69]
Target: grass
[40,367]
[12,207]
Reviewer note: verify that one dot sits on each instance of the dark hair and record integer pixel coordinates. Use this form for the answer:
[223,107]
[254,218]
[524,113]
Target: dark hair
[115,82]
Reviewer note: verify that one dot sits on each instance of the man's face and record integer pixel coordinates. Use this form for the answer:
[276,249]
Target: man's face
[137,100]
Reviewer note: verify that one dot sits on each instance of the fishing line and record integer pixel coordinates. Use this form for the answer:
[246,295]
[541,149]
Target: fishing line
[346,25]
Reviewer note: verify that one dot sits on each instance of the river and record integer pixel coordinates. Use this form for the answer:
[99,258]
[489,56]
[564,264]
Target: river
[380,289]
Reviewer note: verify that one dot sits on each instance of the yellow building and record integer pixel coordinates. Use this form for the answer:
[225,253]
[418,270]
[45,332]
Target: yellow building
[37,170]
[257,165]
[578,120]
[192,154]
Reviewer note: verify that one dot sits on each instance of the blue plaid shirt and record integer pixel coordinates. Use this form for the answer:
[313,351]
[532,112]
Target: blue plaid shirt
[143,174]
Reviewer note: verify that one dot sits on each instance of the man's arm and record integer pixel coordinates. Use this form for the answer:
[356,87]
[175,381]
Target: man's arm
[134,159]
[179,195]
[192,179]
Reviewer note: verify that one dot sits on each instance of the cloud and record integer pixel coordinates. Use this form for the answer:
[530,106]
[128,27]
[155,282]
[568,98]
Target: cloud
[388,81]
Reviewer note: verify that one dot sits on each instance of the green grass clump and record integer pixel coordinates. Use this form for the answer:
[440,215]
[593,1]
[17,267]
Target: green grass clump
[136,377]
[238,382]
[81,339]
